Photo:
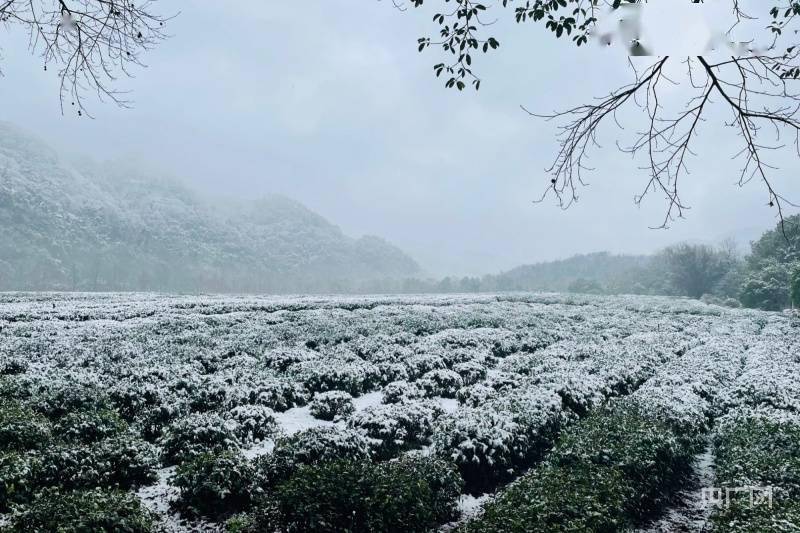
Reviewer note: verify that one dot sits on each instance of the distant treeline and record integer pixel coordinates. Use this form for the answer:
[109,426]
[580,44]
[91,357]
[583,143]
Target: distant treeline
[767,278]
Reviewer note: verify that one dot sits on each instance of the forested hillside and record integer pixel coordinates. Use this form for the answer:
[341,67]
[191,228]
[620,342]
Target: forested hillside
[115,227]
[614,273]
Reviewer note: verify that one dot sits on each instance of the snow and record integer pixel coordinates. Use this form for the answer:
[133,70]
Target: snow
[547,360]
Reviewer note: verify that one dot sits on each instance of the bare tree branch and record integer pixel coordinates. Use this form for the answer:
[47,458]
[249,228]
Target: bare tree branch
[89,42]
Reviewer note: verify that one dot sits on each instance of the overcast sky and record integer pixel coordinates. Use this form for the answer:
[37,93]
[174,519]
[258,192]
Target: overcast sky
[328,102]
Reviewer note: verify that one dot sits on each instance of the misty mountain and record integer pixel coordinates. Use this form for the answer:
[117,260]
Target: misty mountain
[90,226]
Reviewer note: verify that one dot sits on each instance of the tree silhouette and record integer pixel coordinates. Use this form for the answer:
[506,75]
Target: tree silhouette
[755,86]
[89,43]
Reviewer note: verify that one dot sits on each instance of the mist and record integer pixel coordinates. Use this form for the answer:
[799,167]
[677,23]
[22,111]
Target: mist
[333,107]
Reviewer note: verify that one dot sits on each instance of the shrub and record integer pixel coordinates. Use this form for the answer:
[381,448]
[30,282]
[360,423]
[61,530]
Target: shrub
[276,394]
[752,450]
[281,359]
[421,363]
[503,382]
[63,397]
[133,399]
[471,372]
[21,428]
[254,423]
[17,479]
[153,421]
[400,392]
[211,395]
[648,453]
[309,447]
[214,485]
[410,495]
[782,517]
[394,428]
[354,377]
[390,371]
[485,445]
[90,425]
[120,461]
[197,434]
[476,395]
[95,510]
[493,443]
[12,366]
[332,405]
[582,393]
[444,383]
[579,497]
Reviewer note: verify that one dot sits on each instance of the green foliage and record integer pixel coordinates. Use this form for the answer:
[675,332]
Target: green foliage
[605,473]
[21,428]
[120,461]
[215,485]
[90,425]
[795,279]
[782,517]
[332,405]
[17,484]
[781,244]
[756,451]
[195,435]
[649,454]
[767,286]
[768,279]
[695,270]
[553,498]
[411,494]
[309,447]
[93,511]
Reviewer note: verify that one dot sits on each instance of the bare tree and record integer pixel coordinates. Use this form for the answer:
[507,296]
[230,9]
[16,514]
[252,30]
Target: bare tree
[754,86]
[89,43]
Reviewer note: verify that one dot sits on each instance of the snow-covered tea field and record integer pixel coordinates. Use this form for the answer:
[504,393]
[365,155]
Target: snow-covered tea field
[474,413]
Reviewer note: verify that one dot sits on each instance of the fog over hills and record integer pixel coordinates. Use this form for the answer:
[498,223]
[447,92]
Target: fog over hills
[112,226]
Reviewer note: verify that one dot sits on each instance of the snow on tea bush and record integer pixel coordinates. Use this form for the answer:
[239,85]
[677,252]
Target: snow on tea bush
[17,481]
[420,363]
[332,405]
[214,485]
[309,447]
[393,428]
[197,434]
[650,455]
[444,383]
[282,358]
[595,501]
[90,425]
[21,428]
[401,392]
[55,399]
[279,394]
[411,495]
[488,447]
[759,448]
[132,398]
[476,395]
[253,423]
[12,366]
[196,375]
[84,510]
[471,372]
[120,461]
[354,377]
